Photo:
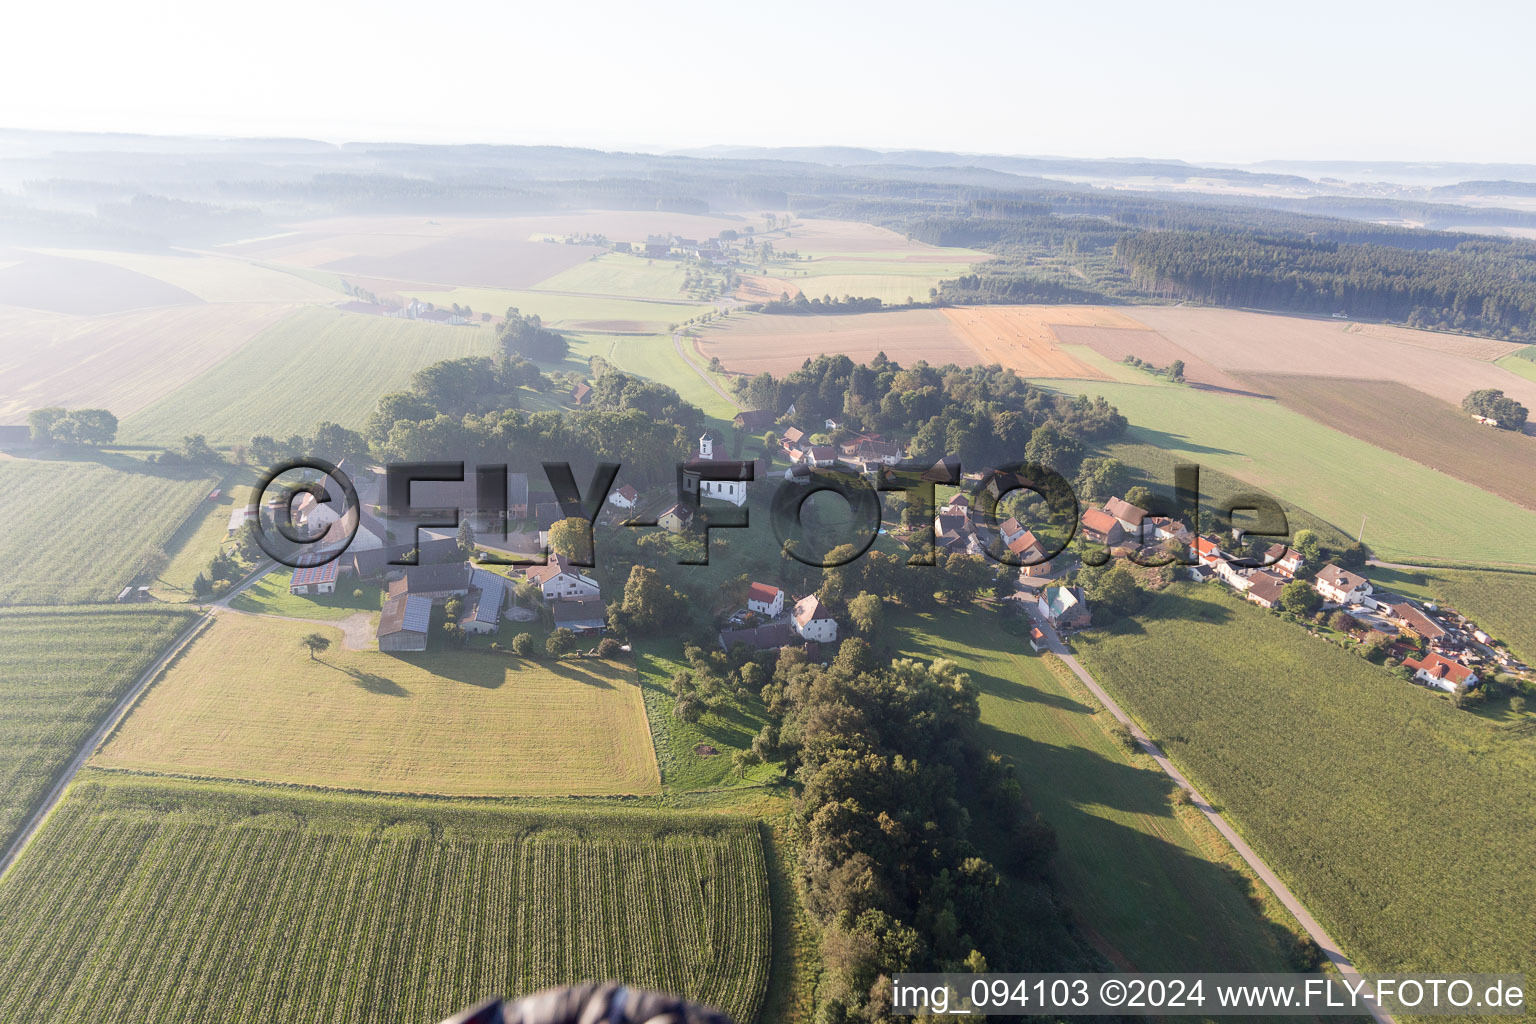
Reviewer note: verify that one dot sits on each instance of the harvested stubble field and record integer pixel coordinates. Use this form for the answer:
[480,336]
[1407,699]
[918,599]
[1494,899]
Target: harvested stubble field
[1357,787]
[212,277]
[166,902]
[121,362]
[1399,419]
[1237,342]
[317,364]
[1024,337]
[1115,343]
[63,284]
[246,702]
[62,669]
[79,529]
[755,342]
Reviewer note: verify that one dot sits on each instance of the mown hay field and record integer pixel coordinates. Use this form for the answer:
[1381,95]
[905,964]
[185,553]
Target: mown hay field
[754,342]
[121,362]
[1410,512]
[61,672]
[317,364]
[1399,419]
[1364,792]
[619,274]
[80,528]
[246,702]
[1125,856]
[165,902]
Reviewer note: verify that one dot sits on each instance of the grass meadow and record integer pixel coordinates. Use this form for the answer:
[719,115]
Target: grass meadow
[1411,512]
[61,671]
[618,274]
[81,526]
[1364,792]
[246,702]
[164,902]
[1156,888]
[318,364]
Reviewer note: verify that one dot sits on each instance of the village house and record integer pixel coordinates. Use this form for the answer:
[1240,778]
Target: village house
[1208,552]
[625,497]
[1030,554]
[955,534]
[1441,672]
[1037,642]
[793,441]
[1283,559]
[1264,588]
[957,505]
[675,519]
[945,471]
[1127,515]
[812,620]
[581,615]
[580,393]
[1238,579]
[1065,607]
[1100,527]
[559,580]
[1341,587]
[482,606]
[377,562]
[1169,529]
[819,456]
[765,600]
[403,623]
[1010,529]
[753,421]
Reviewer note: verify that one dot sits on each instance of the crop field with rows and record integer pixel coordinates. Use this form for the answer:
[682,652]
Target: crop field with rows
[61,671]
[1353,784]
[178,901]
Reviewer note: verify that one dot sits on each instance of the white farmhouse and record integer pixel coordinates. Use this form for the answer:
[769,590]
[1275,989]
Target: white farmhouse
[560,581]
[765,600]
[812,620]
[1341,587]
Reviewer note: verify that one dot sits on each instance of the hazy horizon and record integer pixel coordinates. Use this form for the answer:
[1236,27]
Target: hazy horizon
[1232,87]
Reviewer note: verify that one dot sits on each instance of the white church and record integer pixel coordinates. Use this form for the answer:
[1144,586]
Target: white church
[733,491]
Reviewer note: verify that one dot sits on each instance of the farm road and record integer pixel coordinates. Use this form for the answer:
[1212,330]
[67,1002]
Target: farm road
[176,646]
[1280,889]
[677,343]
[356,629]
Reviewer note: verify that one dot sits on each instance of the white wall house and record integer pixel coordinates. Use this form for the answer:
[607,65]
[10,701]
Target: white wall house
[625,497]
[1341,587]
[812,620]
[560,581]
[765,600]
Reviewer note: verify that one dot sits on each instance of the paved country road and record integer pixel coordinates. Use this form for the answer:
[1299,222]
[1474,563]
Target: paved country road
[677,343]
[1320,936]
[183,639]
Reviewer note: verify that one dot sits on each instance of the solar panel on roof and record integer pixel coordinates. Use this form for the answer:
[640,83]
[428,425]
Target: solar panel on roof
[418,613]
[306,575]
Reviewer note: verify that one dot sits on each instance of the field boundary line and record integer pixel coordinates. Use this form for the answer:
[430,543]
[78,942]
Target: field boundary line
[109,724]
[677,343]
[1282,892]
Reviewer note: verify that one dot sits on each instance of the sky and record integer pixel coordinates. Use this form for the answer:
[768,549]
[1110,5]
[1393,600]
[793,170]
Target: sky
[1207,82]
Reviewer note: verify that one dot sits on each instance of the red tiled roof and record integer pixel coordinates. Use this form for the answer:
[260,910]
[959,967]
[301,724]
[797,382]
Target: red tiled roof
[1099,521]
[1440,667]
[762,592]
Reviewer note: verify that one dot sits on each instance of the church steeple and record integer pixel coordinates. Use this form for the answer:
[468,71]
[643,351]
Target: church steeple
[706,446]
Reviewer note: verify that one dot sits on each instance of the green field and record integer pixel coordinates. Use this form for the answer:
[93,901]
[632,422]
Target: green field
[318,364]
[270,596]
[1156,890]
[164,902]
[727,728]
[61,671]
[81,527]
[1520,362]
[201,537]
[1411,512]
[1371,797]
[572,311]
[621,275]
[246,702]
